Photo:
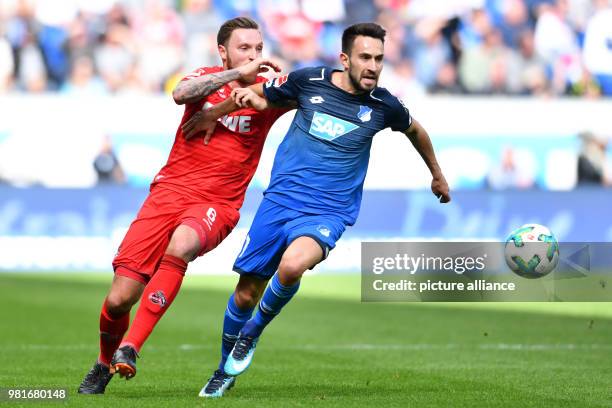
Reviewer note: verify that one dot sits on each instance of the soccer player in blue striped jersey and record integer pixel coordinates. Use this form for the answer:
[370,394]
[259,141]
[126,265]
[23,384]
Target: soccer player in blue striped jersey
[317,180]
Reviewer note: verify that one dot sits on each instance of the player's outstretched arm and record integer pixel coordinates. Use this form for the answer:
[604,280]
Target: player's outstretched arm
[422,143]
[254,97]
[194,89]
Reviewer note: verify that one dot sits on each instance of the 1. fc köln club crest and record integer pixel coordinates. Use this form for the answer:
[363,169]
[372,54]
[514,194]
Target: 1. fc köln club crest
[158,298]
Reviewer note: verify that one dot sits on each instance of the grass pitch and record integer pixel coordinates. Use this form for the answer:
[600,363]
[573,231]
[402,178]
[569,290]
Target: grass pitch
[326,349]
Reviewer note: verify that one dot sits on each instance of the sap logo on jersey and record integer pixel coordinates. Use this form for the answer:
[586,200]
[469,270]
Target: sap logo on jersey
[329,127]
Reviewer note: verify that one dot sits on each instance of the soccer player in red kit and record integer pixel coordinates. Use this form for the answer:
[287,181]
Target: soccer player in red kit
[192,205]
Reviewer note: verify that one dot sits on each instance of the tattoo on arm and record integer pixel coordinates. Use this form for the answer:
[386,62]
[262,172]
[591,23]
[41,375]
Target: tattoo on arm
[195,89]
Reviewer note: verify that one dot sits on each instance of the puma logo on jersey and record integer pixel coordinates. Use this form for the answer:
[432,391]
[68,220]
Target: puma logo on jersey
[329,127]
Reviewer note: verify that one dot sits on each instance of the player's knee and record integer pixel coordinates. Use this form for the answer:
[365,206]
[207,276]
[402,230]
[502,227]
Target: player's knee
[118,303]
[246,298]
[292,268]
[184,244]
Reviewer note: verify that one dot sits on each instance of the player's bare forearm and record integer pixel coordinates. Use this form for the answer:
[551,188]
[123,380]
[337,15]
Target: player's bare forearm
[204,121]
[258,88]
[422,143]
[192,90]
[223,108]
[251,96]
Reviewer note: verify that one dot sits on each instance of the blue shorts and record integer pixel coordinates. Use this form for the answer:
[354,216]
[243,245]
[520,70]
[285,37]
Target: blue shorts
[274,228]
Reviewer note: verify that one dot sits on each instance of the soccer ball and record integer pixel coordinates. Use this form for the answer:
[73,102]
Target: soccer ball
[532,251]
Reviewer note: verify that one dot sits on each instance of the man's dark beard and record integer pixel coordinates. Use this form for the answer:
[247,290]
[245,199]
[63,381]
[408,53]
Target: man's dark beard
[356,85]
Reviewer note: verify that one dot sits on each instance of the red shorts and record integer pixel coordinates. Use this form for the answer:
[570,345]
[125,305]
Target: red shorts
[149,234]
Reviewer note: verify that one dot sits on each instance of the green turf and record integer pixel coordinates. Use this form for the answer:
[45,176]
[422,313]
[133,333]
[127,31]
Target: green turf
[326,349]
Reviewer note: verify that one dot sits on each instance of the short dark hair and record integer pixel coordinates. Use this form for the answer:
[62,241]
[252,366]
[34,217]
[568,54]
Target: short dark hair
[227,28]
[366,29]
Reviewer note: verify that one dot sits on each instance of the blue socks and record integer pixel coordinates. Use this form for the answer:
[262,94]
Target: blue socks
[233,322]
[275,297]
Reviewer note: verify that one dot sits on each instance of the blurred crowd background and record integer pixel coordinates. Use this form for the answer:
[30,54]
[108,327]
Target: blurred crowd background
[514,93]
[527,53]
[513,47]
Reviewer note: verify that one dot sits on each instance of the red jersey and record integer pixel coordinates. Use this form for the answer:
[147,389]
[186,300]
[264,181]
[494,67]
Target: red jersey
[220,171]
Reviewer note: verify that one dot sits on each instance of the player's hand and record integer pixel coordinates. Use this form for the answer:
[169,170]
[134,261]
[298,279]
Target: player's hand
[245,97]
[200,122]
[248,73]
[439,187]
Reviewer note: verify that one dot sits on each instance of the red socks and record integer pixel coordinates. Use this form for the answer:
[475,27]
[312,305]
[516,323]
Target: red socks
[111,333]
[156,298]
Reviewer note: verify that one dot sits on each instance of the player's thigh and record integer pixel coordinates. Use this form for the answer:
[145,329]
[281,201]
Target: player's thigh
[185,243]
[325,231]
[265,242]
[302,254]
[211,223]
[147,238]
